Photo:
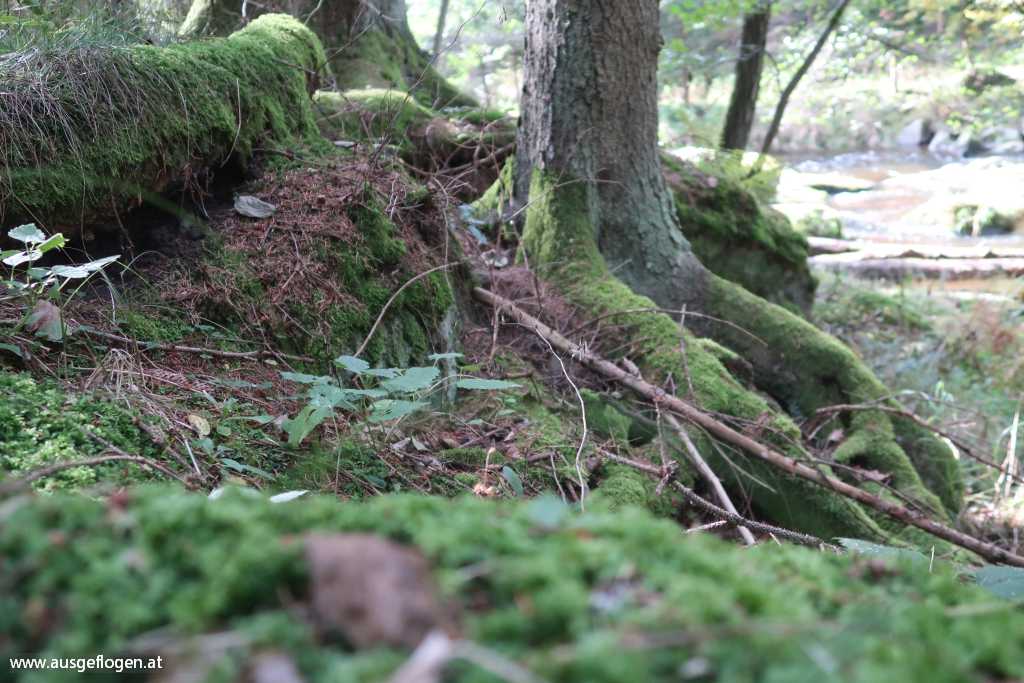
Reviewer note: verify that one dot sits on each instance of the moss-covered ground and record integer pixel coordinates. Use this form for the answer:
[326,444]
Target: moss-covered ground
[554,591]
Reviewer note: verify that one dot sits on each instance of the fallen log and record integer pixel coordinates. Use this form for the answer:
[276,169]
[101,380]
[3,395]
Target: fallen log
[89,133]
[926,268]
[841,251]
[745,443]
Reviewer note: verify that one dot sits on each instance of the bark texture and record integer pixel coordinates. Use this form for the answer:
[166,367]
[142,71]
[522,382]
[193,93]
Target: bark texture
[739,119]
[579,123]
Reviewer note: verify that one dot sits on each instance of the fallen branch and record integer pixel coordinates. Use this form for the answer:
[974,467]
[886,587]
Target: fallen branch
[49,470]
[157,346]
[754,448]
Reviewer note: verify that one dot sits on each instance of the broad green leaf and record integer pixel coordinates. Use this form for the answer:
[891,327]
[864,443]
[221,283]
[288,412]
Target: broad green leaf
[880,551]
[259,419]
[27,234]
[302,378]
[412,379]
[352,364]
[12,348]
[383,372]
[389,409]
[93,266]
[23,257]
[512,477]
[70,272]
[330,396]
[1003,582]
[55,242]
[302,425]
[484,384]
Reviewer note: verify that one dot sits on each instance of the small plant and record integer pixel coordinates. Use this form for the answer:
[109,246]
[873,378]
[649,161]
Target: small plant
[42,287]
[385,394]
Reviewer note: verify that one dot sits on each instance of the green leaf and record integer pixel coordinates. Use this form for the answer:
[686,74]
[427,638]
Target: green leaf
[880,551]
[302,378]
[302,425]
[55,242]
[352,364]
[22,257]
[389,409]
[330,396]
[1003,582]
[242,467]
[479,383]
[13,349]
[98,264]
[383,372]
[513,480]
[412,379]
[70,272]
[27,234]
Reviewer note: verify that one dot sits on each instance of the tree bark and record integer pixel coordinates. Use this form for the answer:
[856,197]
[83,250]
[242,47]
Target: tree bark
[580,124]
[780,108]
[739,119]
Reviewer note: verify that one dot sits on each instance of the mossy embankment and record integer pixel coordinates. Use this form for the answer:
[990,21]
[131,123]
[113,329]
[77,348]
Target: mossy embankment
[600,596]
[125,124]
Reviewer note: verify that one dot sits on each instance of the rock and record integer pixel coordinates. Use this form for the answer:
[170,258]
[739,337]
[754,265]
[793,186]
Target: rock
[372,591]
[917,133]
[944,143]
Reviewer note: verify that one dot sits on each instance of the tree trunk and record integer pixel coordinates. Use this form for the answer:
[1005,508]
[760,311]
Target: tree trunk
[589,175]
[739,119]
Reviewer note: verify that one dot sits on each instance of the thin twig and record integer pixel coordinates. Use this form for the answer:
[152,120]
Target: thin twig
[177,348]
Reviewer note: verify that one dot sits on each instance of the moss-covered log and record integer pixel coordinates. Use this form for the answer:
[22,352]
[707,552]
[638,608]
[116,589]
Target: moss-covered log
[369,44]
[96,132]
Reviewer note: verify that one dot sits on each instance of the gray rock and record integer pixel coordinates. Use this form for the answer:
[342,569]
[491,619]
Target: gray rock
[917,133]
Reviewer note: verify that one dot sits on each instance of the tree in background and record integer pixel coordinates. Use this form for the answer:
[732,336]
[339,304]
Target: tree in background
[743,104]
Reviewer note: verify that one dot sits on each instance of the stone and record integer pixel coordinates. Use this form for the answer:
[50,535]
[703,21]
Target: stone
[917,133]
[372,591]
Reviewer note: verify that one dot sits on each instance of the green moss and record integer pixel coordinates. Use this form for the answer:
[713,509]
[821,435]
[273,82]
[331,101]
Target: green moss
[739,239]
[42,424]
[604,419]
[567,596]
[160,326]
[848,306]
[371,114]
[180,113]
[499,195]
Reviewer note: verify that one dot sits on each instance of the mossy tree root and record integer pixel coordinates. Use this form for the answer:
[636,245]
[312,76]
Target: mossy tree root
[560,240]
[750,446]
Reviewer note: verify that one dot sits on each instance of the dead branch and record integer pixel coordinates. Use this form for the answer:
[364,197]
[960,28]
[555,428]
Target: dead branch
[177,348]
[754,448]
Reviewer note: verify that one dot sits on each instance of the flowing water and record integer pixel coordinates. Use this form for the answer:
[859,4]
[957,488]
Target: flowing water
[904,196]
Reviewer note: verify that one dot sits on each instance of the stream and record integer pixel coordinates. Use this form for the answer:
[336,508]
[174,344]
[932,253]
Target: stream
[907,196]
